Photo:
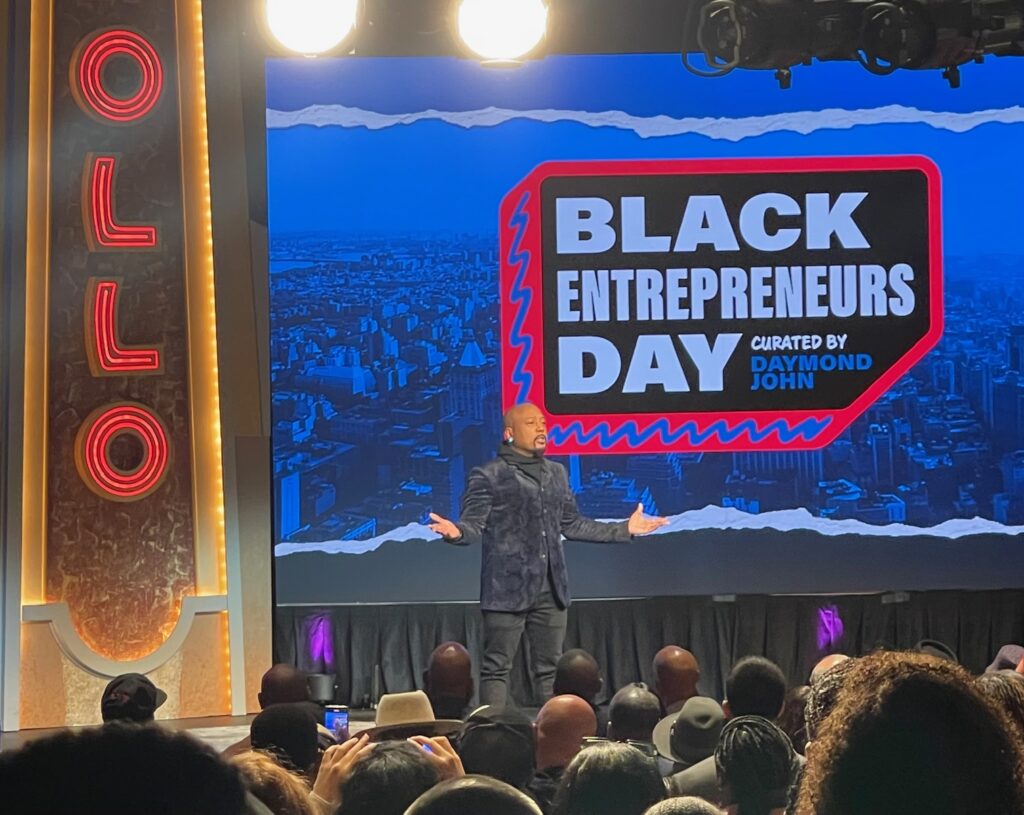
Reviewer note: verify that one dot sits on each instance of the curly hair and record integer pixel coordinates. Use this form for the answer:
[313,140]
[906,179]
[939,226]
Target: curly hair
[1006,690]
[284,792]
[912,734]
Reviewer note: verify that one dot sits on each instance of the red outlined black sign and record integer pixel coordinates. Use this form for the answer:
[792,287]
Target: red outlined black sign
[728,304]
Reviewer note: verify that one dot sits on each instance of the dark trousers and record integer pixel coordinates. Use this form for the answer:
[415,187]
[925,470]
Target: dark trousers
[544,623]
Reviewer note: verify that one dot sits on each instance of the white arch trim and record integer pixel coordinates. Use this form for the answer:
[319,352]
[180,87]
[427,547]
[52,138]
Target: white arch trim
[59,617]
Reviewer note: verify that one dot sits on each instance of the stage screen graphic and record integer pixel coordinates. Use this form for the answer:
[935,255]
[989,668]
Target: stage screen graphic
[388,268]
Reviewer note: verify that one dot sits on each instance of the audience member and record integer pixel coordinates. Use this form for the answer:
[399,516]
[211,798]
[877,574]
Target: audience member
[823,695]
[448,680]
[687,805]
[119,770]
[578,673]
[403,715]
[676,674]
[633,714]
[282,683]
[562,725]
[288,730]
[609,779]
[755,687]
[130,698]
[826,664]
[283,792]
[1009,657]
[1006,690]
[689,736]
[473,795]
[912,734]
[755,765]
[500,743]
[386,779]
[792,720]
[937,649]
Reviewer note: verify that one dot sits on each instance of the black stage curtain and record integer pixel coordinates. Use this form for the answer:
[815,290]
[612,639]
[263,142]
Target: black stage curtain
[383,649]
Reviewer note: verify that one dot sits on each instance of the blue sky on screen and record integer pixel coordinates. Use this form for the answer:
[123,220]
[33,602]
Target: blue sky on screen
[446,174]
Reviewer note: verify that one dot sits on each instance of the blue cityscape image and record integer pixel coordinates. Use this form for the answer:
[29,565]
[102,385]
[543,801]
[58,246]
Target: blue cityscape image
[385,177]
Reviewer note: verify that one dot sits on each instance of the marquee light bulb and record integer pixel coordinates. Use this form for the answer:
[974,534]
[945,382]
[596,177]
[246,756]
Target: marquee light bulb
[311,26]
[502,29]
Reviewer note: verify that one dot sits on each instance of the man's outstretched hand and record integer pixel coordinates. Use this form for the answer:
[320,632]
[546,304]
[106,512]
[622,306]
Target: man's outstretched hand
[639,524]
[444,527]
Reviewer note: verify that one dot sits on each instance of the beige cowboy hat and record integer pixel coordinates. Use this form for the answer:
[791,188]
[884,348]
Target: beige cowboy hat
[401,715]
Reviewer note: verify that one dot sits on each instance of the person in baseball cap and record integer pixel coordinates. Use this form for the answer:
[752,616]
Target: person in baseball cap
[499,742]
[690,735]
[130,697]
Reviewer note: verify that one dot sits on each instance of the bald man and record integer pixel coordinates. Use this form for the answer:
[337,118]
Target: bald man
[825,664]
[676,674]
[448,680]
[562,725]
[518,506]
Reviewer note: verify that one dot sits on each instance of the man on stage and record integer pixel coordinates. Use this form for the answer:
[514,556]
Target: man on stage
[518,506]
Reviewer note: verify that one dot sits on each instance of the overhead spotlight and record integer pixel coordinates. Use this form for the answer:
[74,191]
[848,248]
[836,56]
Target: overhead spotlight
[311,27]
[502,30]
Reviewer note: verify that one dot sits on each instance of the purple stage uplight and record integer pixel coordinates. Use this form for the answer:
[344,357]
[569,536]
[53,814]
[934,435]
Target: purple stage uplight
[320,643]
[830,627]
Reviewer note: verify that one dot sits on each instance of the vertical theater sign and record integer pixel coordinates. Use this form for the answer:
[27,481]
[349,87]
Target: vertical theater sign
[123,550]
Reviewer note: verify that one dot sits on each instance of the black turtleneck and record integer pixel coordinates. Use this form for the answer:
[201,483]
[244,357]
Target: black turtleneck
[529,465]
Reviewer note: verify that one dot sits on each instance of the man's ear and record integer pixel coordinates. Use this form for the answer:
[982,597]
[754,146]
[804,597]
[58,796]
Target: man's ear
[259,698]
[726,709]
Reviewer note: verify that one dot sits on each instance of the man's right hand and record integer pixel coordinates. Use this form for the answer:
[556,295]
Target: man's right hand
[444,527]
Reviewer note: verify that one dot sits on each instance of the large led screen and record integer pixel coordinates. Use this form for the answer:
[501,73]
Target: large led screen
[420,207]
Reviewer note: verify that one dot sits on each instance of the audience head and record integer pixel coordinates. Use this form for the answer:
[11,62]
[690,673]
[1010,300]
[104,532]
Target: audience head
[826,664]
[755,687]
[283,792]
[823,695]
[1009,657]
[793,720]
[691,734]
[282,683]
[288,730]
[578,673]
[937,649]
[119,770]
[676,673]
[561,726]
[473,794]
[685,805]
[633,714]
[755,765]
[387,780]
[1006,690]
[912,734]
[130,698]
[448,680]
[499,742]
[609,779]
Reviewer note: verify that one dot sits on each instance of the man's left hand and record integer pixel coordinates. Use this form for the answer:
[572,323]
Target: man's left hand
[639,524]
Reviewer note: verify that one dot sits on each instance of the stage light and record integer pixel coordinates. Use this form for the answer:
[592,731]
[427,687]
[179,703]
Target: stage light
[311,27]
[502,30]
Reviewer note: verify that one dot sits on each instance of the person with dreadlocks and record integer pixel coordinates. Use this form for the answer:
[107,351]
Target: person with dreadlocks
[756,766]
